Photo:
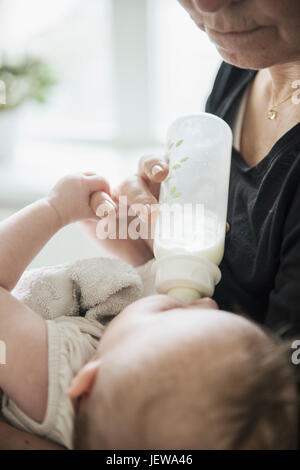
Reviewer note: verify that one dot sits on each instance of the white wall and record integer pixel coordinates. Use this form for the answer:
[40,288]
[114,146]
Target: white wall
[70,244]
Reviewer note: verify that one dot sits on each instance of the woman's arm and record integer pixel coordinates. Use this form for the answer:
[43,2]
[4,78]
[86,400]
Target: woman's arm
[135,252]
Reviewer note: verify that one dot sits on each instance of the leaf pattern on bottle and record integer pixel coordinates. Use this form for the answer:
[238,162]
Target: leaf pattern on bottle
[170,145]
[177,165]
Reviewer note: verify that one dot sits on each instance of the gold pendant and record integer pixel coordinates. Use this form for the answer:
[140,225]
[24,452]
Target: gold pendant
[272,114]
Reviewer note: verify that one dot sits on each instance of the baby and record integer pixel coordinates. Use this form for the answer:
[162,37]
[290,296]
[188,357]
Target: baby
[164,375]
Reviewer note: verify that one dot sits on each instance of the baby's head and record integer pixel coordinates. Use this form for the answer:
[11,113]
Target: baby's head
[168,376]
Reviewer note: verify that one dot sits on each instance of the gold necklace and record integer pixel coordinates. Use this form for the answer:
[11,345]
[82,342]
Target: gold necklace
[272,113]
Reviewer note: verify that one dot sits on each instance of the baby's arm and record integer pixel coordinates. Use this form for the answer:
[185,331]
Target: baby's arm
[24,378]
[14,439]
[24,234]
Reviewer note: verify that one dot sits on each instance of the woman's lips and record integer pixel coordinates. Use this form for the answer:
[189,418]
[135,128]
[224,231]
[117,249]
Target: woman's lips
[233,31]
[224,38]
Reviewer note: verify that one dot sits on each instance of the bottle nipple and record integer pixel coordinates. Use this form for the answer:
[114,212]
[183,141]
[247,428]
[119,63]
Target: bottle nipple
[185,294]
[185,277]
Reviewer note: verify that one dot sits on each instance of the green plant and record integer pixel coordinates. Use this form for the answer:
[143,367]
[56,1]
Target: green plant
[30,79]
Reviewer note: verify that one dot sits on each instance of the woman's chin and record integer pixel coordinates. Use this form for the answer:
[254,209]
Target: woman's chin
[246,60]
[256,49]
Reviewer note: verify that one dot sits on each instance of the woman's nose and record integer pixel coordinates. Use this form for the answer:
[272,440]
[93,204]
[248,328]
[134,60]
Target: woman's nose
[211,6]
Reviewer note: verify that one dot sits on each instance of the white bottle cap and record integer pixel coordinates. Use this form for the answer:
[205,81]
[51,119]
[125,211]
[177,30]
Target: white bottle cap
[186,277]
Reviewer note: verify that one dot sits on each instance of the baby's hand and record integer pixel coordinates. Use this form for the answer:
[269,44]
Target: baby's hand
[70,197]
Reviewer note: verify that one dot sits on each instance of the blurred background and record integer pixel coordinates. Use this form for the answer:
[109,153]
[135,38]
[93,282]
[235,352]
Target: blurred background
[91,85]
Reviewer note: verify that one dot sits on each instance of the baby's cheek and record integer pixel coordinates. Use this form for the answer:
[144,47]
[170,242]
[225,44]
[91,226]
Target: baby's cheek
[111,336]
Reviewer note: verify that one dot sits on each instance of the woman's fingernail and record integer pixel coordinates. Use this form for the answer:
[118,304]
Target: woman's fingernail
[104,209]
[149,209]
[156,169]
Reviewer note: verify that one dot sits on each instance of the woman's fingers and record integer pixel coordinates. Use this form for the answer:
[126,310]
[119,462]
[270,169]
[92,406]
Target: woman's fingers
[136,191]
[139,193]
[102,204]
[153,168]
[137,196]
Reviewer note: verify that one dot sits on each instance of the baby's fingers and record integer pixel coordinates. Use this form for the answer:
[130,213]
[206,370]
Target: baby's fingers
[96,183]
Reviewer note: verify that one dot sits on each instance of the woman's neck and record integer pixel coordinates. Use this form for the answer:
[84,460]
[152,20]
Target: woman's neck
[270,94]
[280,80]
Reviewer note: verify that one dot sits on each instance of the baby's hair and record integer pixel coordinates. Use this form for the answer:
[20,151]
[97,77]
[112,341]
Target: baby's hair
[267,415]
[278,370]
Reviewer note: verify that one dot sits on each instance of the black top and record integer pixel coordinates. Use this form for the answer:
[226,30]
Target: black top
[261,264]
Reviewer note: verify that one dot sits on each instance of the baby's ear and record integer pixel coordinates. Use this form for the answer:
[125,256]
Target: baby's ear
[83,381]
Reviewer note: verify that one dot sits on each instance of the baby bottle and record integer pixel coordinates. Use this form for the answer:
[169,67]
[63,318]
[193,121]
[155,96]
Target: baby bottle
[190,230]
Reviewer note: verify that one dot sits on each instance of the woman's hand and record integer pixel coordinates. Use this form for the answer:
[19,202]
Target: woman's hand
[71,197]
[142,188]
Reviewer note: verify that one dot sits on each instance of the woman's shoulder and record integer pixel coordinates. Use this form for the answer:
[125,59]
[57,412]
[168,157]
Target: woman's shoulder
[228,81]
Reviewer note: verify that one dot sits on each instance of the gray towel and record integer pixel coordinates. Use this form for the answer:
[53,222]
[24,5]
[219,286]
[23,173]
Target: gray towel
[96,288]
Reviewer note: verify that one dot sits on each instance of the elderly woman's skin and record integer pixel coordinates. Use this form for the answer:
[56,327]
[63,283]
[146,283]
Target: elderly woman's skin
[254,34]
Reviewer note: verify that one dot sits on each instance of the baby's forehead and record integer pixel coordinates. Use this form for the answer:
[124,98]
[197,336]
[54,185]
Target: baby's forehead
[213,342]
[210,322]
[182,335]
